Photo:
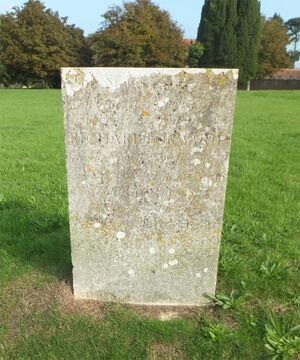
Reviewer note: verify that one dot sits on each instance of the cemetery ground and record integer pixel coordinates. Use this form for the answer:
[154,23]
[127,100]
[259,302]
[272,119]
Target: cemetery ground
[256,313]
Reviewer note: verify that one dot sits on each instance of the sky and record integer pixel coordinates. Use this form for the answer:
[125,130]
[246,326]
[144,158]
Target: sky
[87,14]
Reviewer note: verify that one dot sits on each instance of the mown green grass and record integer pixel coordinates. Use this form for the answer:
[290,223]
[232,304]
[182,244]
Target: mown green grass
[260,253]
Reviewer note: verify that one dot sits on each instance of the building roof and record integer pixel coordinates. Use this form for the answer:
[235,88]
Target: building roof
[188,42]
[287,74]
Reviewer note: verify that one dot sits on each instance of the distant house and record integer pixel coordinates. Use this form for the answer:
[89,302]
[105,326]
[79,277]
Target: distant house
[188,42]
[287,74]
[283,79]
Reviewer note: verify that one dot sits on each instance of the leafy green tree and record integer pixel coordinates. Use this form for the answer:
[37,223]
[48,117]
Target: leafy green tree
[294,56]
[195,54]
[138,34]
[293,26]
[230,32]
[273,53]
[3,74]
[36,43]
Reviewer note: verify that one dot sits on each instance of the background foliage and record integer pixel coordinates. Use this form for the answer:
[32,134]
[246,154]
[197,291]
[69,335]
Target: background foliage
[139,34]
[36,43]
[273,53]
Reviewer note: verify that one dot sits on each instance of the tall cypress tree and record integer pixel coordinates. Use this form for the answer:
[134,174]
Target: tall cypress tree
[227,50]
[248,38]
[230,33]
[210,29]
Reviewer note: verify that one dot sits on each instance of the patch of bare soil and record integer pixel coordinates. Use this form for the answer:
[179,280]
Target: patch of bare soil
[165,352]
[281,308]
[166,313]
[70,305]
[24,301]
[32,297]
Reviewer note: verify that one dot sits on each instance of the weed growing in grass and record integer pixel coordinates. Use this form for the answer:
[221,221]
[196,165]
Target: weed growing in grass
[274,269]
[282,338]
[216,332]
[296,301]
[231,301]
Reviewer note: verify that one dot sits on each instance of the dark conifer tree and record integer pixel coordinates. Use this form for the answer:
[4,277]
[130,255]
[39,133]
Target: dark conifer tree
[213,20]
[230,33]
[248,38]
[227,54]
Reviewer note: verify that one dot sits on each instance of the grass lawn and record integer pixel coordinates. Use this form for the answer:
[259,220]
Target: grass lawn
[258,299]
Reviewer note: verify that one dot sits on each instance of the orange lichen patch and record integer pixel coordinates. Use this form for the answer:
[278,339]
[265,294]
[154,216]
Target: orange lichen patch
[89,169]
[209,73]
[222,80]
[185,75]
[146,113]
[76,74]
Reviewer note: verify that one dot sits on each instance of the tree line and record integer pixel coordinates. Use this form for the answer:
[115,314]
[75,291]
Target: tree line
[234,34]
[35,42]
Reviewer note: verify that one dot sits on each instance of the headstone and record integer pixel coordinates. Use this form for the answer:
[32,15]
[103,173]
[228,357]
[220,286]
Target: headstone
[147,160]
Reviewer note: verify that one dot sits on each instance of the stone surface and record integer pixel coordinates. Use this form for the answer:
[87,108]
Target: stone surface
[147,160]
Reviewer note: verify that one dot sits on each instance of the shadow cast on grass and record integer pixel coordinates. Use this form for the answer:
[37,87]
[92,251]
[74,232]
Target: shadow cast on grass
[41,240]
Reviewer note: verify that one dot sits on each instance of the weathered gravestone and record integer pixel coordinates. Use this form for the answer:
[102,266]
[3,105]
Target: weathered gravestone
[147,160]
